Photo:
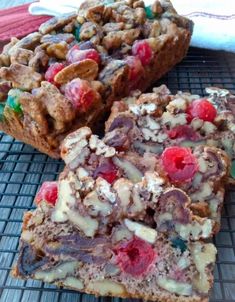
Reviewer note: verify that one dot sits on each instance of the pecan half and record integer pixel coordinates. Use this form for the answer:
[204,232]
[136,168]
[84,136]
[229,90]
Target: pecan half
[85,70]
[22,77]
[56,23]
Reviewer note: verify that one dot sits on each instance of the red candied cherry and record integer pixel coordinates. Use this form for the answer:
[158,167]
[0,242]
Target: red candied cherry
[202,109]
[80,93]
[143,51]
[70,57]
[135,257]
[179,163]
[183,131]
[48,192]
[136,68]
[106,170]
[77,55]
[52,71]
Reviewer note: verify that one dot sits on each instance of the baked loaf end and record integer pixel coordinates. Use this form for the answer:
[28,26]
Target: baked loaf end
[114,225]
[69,73]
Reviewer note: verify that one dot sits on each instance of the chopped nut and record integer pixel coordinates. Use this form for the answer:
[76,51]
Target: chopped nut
[28,42]
[138,3]
[155,29]
[5,56]
[56,104]
[36,111]
[89,30]
[5,86]
[65,210]
[141,231]
[143,109]
[172,120]
[22,56]
[203,255]
[101,148]
[114,39]
[195,230]
[132,173]
[74,143]
[56,23]
[121,233]
[106,287]
[85,70]
[115,75]
[95,13]
[58,38]
[103,188]
[39,60]
[111,27]
[58,50]
[123,187]
[156,7]
[176,287]
[176,105]
[73,283]
[96,206]
[59,272]
[22,77]
[203,193]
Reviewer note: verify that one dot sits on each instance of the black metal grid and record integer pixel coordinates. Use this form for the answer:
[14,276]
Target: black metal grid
[23,169]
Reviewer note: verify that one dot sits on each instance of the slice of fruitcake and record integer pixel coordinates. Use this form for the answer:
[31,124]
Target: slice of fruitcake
[68,74]
[116,224]
[128,259]
[153,121]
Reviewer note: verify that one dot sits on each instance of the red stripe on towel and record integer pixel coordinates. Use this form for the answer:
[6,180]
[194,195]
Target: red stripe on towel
[17,22]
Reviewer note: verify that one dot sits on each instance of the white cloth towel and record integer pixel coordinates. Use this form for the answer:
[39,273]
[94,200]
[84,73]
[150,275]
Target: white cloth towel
[214,20]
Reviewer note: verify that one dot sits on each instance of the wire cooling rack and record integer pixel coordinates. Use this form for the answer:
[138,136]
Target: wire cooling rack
[23,169]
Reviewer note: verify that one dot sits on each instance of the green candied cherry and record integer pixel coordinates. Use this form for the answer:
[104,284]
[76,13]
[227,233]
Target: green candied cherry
[108,2]
[76,32]
[179,243]
[232,171]
[149,12]
[13,100]
[2,106]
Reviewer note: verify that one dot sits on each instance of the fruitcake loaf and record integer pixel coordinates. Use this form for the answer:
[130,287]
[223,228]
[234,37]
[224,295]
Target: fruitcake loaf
[114,224]
[69,73]
[153,121]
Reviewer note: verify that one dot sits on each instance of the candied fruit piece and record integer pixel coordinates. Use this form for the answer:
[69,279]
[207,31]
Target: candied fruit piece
[143,51]
[48,192]
[13,100]
[2,106]
[183,131]
[80,93]
[149,12]
[232,171]
[135,257]
[77,55]
[202,109]
[179,243]
[108,2]
[76,32]
[52,70]
[135,67]
[106,170]
[179,163]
